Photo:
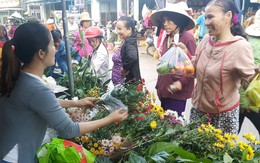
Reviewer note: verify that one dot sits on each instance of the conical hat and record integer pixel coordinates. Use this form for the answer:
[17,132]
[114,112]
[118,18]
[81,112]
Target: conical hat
[173,11]
[85,16]
[254,29]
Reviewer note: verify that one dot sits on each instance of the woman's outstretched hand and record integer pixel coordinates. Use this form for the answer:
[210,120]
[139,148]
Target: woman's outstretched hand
[118,115]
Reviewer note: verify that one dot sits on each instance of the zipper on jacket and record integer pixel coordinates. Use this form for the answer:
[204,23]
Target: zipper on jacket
[202,85]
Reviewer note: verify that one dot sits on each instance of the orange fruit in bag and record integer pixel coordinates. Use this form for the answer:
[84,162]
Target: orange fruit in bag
[188,70]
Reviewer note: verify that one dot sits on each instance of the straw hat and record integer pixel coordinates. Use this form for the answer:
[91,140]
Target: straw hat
[175,12]
[84,16]
[254,29]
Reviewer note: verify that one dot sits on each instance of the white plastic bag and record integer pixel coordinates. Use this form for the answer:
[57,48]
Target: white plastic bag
[111,103]
[175,61]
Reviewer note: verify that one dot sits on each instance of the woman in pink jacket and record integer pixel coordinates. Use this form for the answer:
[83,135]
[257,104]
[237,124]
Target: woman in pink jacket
[81,43]
[223,58]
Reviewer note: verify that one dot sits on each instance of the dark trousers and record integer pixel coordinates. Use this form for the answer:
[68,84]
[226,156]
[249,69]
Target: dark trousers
[252,116]
[175,105]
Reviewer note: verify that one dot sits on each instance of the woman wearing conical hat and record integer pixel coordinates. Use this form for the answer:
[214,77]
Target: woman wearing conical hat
[175,21]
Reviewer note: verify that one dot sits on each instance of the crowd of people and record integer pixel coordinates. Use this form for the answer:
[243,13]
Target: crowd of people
[223,59]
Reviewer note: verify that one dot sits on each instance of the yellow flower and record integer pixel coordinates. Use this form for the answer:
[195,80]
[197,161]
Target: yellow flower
[95,145]
[250,150]
[228,136]
[77,139]
[250,137]
[84,139]
[232,144]
[220,145]
[101,151]
[92,150]
[200,130]
[153,124]
[97,152]
[220,137]
[218,131]
[250,154]
[90,144]
[242,145]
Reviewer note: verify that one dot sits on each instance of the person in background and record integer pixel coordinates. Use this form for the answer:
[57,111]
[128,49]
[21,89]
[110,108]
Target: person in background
[50,24]
[12,29]
[81,44]
[200,23]
[61,64]
[72,26]
[3,33]
[129,51]
[100,55]
[175,21]
[254,38]
[223,58]
[27,104]
[117,77]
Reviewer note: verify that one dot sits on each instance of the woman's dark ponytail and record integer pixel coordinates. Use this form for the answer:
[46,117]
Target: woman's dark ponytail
[10,69]
[237,29]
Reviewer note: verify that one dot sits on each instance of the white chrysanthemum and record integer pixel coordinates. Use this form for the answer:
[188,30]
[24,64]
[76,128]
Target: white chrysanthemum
[111,149]
[116,139]
[105,142]
[171,112]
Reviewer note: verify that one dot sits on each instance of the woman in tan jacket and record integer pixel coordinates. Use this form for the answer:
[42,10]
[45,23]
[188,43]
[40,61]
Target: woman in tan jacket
[223,58]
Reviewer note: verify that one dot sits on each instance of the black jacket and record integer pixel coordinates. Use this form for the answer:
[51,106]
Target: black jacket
[130,58]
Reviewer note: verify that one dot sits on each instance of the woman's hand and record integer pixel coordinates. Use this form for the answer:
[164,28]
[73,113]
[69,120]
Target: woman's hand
[118,115]
[182,46]
[117,48]
[124,73]
[92,99]
[175,87]
[86,102]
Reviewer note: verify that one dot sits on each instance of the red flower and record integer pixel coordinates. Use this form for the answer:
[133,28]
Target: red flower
[139,87]
[139,118]
[140,104]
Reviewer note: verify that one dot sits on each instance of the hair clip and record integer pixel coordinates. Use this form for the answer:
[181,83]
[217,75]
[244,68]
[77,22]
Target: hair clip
[235,19]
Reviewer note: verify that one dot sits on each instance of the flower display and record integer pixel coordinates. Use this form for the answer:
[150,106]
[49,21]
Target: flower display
[152,134]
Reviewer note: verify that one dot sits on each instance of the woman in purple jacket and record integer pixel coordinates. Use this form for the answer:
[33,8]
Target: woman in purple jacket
[175,22]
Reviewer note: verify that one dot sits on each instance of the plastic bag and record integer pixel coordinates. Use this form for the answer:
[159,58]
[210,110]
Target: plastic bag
[175,61]
[253,93]
[64,151]
[110,102]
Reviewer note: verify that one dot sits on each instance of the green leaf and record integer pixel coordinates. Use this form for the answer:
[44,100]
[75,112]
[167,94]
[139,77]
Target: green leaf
[160,146]
[227,158]
[245,152]
[134,158]
[102,159]
[161,157]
